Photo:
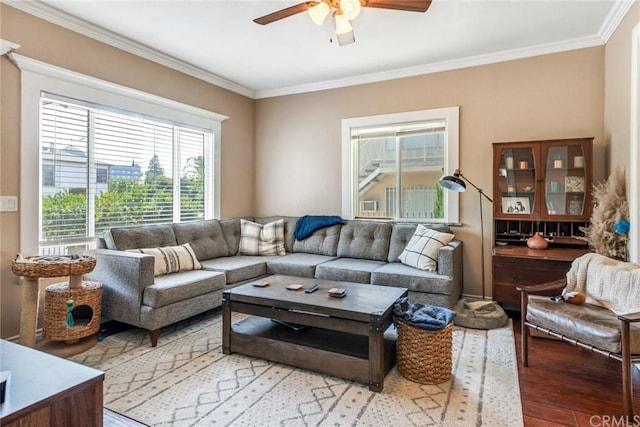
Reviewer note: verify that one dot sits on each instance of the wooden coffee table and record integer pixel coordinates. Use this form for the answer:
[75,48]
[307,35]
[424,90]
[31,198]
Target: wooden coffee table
[344,337]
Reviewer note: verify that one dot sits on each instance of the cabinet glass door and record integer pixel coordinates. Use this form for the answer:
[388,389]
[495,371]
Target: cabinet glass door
[565,182]
[516,181]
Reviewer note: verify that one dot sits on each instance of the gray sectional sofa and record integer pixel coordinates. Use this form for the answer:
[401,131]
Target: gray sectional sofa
[356,251]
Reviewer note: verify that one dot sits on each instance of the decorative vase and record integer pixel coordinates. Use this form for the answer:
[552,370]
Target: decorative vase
[537,242]
[557,164]
[509,162]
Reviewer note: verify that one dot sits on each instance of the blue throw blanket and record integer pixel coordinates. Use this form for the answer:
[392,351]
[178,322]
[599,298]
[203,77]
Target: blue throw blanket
[428,317]
[307,224]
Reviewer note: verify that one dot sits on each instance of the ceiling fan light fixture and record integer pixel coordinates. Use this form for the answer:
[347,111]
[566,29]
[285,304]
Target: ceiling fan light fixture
[343,25]
[319,12]
[350,8]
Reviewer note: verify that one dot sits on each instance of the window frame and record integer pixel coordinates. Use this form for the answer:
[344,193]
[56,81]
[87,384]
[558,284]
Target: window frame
[349,156]
[38,77]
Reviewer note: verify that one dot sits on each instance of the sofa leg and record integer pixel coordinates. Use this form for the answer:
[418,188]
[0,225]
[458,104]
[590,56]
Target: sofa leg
[154,335]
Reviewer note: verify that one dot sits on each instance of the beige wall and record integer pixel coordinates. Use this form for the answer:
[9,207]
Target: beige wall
[298,146]
[57,46]
[618,120]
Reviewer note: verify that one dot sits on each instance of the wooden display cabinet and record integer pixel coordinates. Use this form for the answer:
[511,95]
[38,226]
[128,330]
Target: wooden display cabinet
[539,187]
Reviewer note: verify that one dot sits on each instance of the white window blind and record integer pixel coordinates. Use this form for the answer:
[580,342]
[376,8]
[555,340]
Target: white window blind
[103,167]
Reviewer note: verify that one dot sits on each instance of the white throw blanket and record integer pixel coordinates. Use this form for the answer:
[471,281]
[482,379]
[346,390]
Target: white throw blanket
[607,283]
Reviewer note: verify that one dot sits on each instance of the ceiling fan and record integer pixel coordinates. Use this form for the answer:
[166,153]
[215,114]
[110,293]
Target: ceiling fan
[343,12]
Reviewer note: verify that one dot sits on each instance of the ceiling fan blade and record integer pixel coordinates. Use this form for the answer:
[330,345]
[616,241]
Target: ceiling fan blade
[285,13]
[408,5]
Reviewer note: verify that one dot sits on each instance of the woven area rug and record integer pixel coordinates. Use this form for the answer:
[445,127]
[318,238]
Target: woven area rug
[187,381]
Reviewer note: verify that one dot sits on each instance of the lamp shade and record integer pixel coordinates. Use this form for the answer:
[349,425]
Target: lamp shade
[319,12]
[342,24]
[453,182]
[350,8]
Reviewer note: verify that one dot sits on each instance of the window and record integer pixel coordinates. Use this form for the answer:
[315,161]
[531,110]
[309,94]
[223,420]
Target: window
[105,155]
[393,163]
[158,172]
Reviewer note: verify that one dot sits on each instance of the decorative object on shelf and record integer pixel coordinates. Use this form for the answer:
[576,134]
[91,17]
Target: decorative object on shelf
[575,206]
[537,242]
[455,183]
[509,162]
[557,163]
[610,212]
[524,164]
[554,187]
[578,162]
[516,205]
[574,184]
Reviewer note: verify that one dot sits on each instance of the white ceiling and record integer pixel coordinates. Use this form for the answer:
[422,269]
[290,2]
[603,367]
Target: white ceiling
[219,42]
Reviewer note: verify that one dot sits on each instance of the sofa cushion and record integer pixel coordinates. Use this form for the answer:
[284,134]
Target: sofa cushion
[297,264]
[143,236]
[231,232]
[171,259]
[182,287]
[587,323]
[348,270]
[400,275]
[289,228]
[240,267]
[258,239]
[205,237]
[364,240]
[422,250]
[321,242]
[403,232]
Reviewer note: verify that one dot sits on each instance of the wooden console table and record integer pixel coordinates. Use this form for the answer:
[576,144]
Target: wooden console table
[46,390]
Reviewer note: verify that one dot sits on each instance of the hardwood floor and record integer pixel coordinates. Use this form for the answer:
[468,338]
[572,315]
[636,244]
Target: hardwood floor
[569,386]
[562,386]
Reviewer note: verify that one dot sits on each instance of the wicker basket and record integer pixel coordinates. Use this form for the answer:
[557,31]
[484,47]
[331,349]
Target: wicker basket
[86,299]
[58,266]
[424,356]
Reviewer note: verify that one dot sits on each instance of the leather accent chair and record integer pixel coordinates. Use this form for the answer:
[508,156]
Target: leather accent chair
[592,325]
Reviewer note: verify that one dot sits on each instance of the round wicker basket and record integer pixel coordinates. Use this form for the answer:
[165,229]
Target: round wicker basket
[88,299]
[53,266]
[424,356]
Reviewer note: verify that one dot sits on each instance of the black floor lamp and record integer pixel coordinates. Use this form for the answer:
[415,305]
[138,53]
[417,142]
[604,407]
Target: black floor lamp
[475,314]
[456,183]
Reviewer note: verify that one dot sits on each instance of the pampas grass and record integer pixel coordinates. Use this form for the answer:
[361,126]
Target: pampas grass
[610,206]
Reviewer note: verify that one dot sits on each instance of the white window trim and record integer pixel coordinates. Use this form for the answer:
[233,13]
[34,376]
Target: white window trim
[38,77]
[450,114]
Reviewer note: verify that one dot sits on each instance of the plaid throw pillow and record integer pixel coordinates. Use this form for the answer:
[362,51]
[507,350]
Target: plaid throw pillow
[257,239]
[422,250]
[171,259]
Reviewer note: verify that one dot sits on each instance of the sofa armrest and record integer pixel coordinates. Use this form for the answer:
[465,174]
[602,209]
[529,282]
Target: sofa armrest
[450,259]
[124,276]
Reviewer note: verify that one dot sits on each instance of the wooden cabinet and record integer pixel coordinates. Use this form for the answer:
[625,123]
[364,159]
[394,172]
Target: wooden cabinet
[538,187]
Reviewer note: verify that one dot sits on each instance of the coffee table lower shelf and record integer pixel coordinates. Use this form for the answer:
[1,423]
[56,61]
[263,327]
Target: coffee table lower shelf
[330,352]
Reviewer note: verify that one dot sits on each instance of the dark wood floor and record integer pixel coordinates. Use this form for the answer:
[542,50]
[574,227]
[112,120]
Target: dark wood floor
[562,386]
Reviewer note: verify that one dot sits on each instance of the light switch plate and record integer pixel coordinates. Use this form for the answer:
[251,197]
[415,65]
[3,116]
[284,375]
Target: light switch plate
[8,203]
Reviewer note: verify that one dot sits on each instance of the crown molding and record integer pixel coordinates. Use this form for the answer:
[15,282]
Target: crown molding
[472,61]
[49,13]
[613,19]
[55,16]
[6,46]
